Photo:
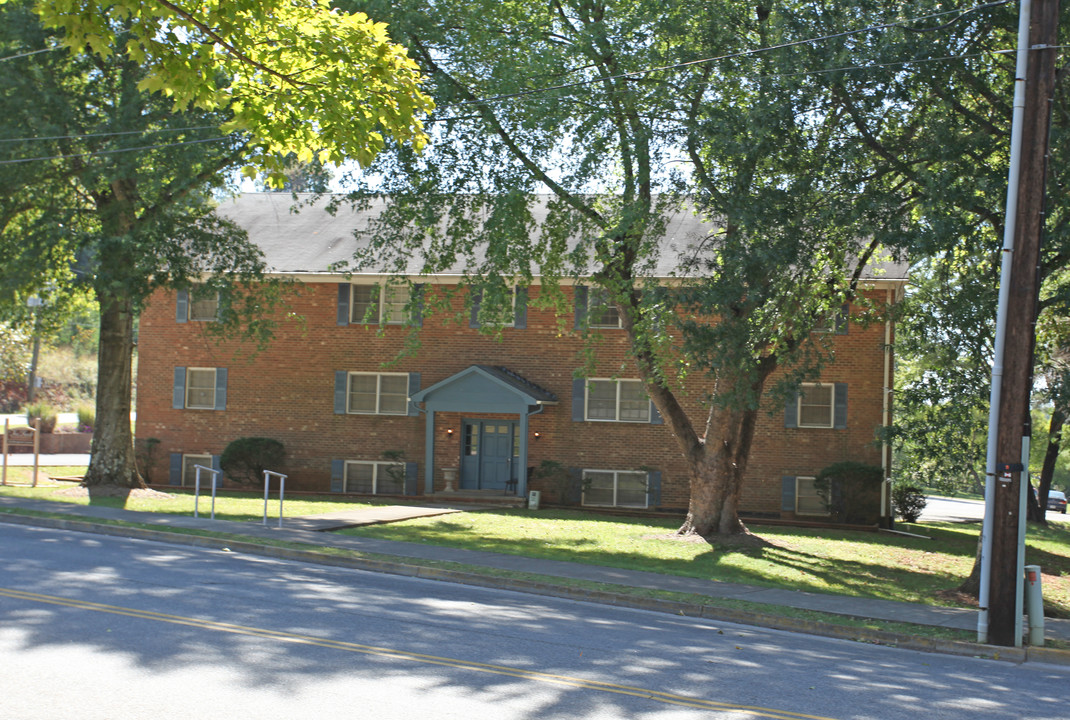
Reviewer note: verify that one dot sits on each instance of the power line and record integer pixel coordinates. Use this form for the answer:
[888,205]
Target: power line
[27,54]
[112,152]
[109,134]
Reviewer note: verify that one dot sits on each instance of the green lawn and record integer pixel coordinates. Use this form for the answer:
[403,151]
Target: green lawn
[857,563]
[240,507]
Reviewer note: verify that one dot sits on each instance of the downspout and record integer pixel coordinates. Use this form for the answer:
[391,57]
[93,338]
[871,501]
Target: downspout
[1001,316]
[886,419]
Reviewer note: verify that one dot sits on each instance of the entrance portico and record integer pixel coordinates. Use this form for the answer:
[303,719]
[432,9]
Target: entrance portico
[494,451]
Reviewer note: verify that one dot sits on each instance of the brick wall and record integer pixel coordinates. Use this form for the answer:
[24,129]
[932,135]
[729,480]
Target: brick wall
[287,392]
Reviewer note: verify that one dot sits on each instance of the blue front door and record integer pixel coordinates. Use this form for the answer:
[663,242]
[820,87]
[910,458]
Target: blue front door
[488,454]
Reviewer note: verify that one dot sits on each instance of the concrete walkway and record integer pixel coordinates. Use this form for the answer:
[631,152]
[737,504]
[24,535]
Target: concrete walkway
[306,531]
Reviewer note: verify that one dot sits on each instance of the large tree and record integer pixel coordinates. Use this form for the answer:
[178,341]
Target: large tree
[114,151]
[618,113]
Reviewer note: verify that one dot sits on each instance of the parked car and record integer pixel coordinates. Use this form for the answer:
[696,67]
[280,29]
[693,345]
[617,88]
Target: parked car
[1057,501]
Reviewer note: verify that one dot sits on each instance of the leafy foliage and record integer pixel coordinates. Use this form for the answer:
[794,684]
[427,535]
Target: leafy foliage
[296,75]
[908,502]
[851,491]
[244,460]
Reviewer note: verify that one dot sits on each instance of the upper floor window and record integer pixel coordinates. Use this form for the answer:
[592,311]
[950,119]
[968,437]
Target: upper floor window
[601,313]
[198,304]
[385,305]
[617,400]
[378,393]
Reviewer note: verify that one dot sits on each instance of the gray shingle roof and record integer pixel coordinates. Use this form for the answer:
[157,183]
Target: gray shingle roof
[297,238]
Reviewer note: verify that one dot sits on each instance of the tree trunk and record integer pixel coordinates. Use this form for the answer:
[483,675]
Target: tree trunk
[112,455]
[972,584]
[717,475]
[1051,454]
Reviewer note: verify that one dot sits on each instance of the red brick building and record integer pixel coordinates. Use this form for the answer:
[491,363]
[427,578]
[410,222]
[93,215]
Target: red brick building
[481,412]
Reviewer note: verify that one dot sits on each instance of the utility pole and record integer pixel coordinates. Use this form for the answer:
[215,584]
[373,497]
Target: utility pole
[1017,360]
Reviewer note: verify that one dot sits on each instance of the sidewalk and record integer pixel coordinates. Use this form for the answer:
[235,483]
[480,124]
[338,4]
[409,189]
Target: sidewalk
[305,531]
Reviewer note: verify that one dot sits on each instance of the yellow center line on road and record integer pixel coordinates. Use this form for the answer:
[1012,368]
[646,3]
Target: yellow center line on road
[534,675]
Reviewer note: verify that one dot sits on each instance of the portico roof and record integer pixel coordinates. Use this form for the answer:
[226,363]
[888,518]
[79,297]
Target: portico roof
[484,388]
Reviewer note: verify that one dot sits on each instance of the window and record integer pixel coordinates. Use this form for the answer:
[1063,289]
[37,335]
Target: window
[614,488]
[189,471]
[200,388]
[382,305]
[374,478]
[203,304]
[617,401]
[510,305]
[816,405]
[600,312]
[834,322]
[378,393]
[807,499]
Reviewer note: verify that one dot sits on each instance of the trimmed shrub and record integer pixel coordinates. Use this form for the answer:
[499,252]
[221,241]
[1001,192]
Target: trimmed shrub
[42,416]
[244,460]
[908,502]
[851,492]
[87,418]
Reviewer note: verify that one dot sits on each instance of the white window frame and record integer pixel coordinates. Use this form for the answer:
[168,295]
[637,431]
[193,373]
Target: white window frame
[377,466]
[831,388]
[599,298]
[616,487]
[193,301]
[378,393]
[391,311]
[616,414]
[189,388]
[808,483]
[188,461]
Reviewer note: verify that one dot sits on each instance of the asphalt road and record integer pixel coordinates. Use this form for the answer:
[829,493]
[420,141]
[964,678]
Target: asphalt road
[942,509]
[98,627]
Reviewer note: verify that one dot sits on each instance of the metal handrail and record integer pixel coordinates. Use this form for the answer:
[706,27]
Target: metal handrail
[197,487]
[282,489]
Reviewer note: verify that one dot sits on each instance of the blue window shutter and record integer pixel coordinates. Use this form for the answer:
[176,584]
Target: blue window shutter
[653,488]
[418,305]
[182,306]
[341,387]
[412,478]
[842,319]
[839,420]
[477,301]
[178,396]
[575,487]
[520,312]
[343,303]
[787,493]
[338,469]
[578,399]
[580,296]
[220,388]
[414,387]
[175,474]
[791,411]
[655,416]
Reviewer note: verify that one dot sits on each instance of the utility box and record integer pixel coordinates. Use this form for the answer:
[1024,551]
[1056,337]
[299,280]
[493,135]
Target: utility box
[533,499]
